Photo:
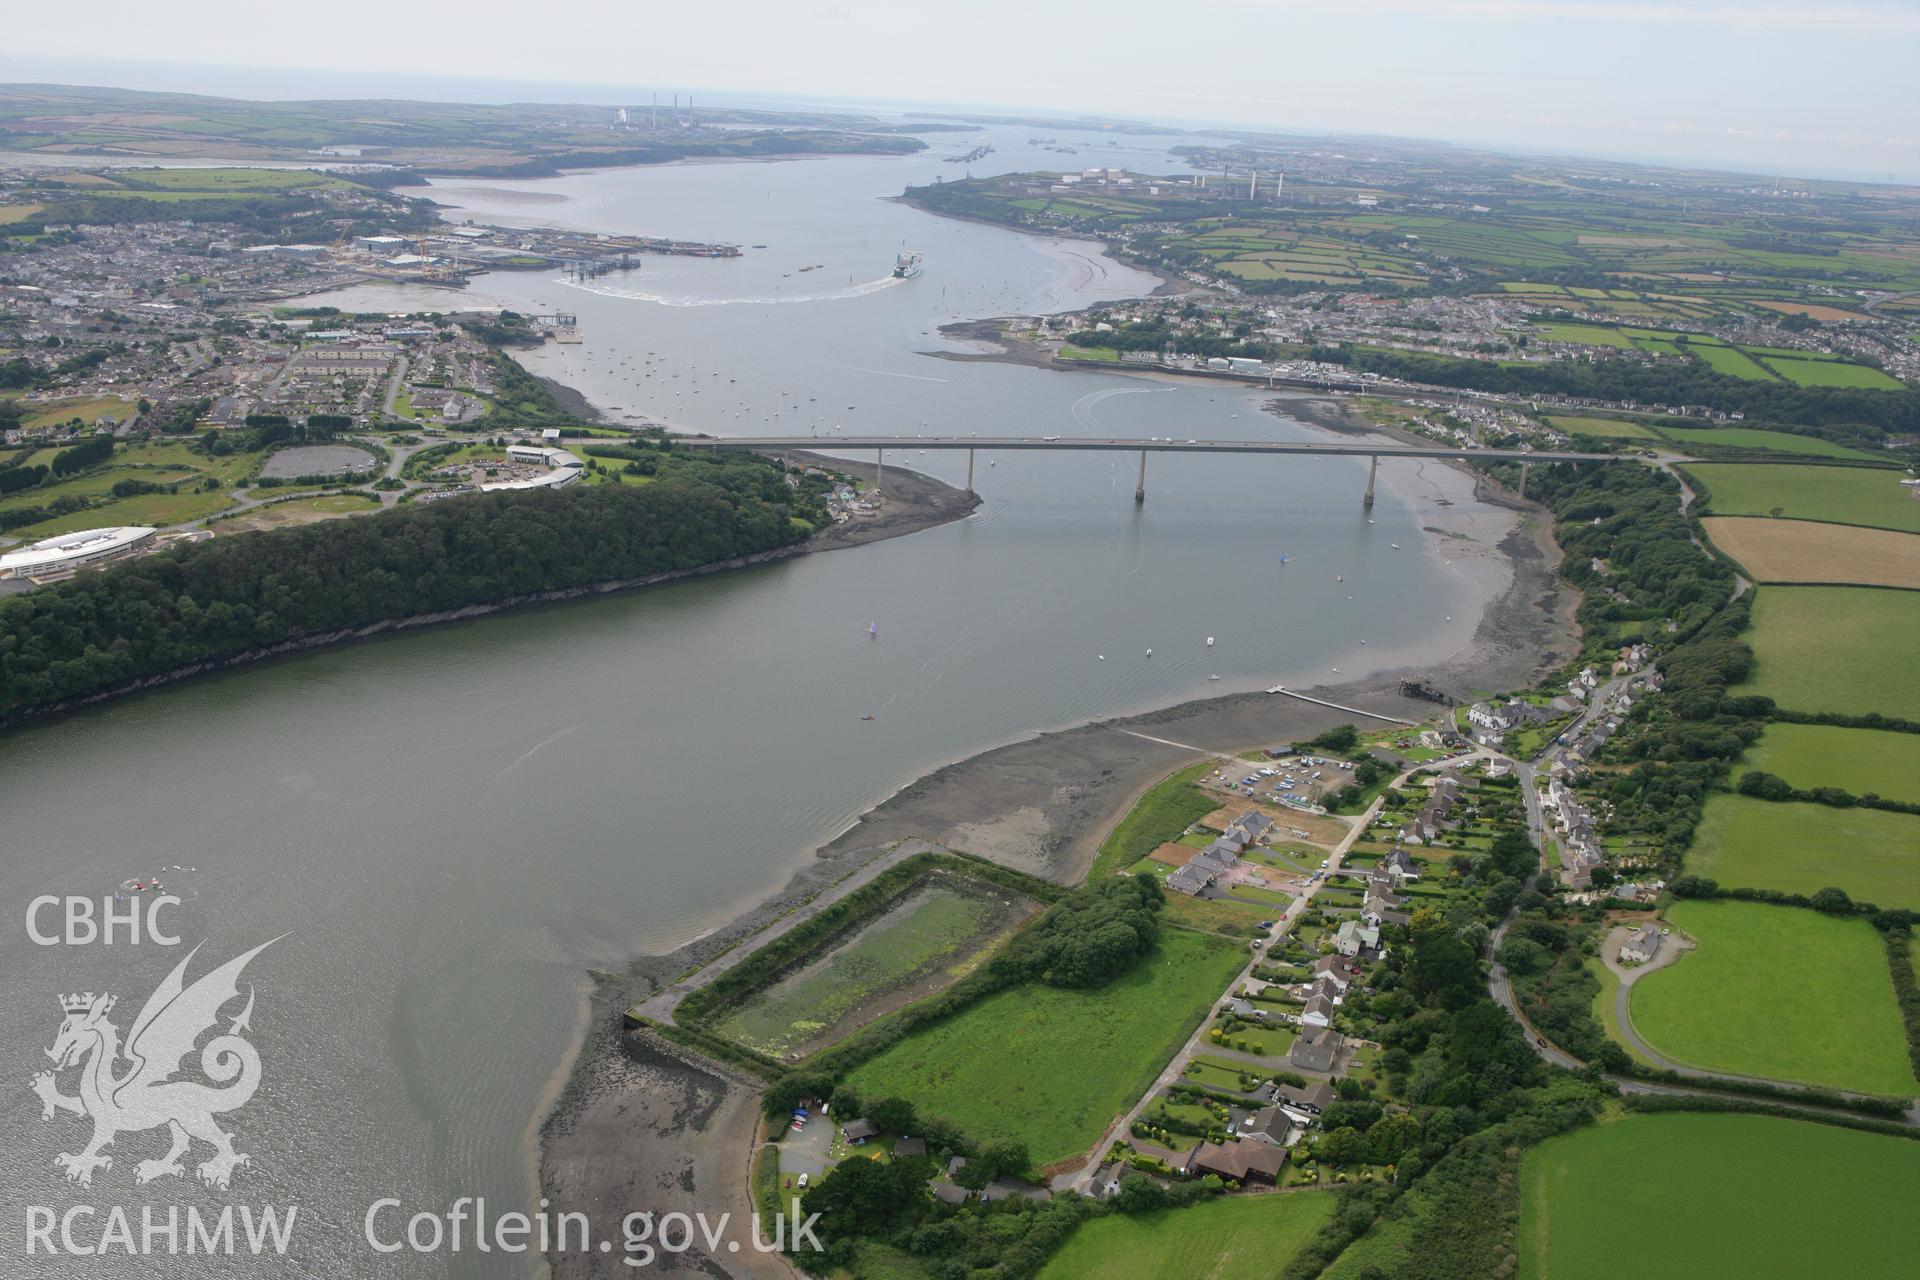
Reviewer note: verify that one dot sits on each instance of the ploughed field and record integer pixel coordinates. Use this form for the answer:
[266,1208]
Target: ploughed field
[1807,551]
[1782,993]
[1687,1195]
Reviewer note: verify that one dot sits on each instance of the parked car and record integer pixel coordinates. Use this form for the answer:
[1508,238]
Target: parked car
[802,1184]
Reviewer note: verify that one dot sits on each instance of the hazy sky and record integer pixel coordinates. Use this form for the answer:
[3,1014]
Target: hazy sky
[1787,86]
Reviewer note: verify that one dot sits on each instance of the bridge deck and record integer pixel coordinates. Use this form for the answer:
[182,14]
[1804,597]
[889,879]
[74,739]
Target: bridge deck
[1339,449]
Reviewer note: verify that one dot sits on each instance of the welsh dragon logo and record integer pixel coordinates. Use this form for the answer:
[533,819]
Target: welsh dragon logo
[144,1095]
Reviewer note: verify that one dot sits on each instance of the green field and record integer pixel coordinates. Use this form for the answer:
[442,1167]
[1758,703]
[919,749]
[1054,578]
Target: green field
[1107,355]
[1236,1236]
[1802,848]
[1773,441]
[1841,495]
[929,935]
[1847,649]
[1862,761]
[1052,1067]
[1730,361]
[1832,373]
[1690,1196]
[1605,427]
[1777,992]
[1168,808]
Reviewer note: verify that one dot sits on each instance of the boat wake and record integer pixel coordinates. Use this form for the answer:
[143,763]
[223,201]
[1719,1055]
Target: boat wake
[1083,407]
[608,290]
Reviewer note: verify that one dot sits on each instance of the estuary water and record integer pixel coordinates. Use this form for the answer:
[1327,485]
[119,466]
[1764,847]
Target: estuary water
[444,830]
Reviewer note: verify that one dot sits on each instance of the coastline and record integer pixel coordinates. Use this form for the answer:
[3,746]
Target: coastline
[641,1120]
[915,502]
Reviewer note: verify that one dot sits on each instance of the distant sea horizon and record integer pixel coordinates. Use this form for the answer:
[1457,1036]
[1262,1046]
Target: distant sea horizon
[279,84]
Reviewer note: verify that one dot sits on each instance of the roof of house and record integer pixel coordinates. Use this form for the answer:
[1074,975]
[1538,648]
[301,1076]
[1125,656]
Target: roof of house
[1271,1121]
[1003,1188]
[1189,879]
[1316,1049]
[1318,1006]
[858,1129]
[1315,1095]
[1332,968]
[910,1147]
[1237,1159]
[950,1193]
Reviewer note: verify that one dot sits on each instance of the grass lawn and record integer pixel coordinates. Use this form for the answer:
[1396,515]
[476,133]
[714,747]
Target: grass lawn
[1802,848]
[1843,495]
[1232,1236]
[1778,992]
[301,511]
[1167,809]
[1847,649]
[156,509]
[1863,761]
[1053,1067]
[1808,551]
[1683,1196]
[1107,355]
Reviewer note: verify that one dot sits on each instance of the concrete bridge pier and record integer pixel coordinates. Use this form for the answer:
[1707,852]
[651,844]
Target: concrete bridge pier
[969,473]
[1373,469]
[879,469]
[1140,485]
[1524,468]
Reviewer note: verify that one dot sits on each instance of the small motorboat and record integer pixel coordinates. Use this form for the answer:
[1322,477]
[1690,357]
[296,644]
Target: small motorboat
[1213,677]
[1209,642]
[1394,545]
[866,717]
[1149,653]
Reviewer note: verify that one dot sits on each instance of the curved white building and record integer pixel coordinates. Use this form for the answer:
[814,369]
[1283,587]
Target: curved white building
[63,553]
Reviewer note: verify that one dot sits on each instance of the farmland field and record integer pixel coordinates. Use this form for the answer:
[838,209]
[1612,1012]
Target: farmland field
[1239,1236]
[1716,1195]
[1733,363]
[1863,761]
[1049,1066]
[1601,427]
[1832,373]
[920,944]
[1846,649]
[1841,495]
[1802,848]
[1833,1023]
[1805,551]
[1774,441]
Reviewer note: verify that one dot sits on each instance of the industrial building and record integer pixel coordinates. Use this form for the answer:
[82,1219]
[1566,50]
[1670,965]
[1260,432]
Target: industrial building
[67,552]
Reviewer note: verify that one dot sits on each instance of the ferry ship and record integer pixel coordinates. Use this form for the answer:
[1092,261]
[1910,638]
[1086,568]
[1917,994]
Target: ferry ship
[906,266]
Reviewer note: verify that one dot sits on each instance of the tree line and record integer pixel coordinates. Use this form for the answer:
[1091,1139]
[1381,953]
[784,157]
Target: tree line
[218,599]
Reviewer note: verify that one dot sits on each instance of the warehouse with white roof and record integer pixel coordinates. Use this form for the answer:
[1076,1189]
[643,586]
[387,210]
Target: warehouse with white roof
[65,552]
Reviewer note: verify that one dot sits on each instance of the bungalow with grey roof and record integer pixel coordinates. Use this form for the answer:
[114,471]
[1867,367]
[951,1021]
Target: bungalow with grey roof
[1317,1013]
[1271,1125]
[858,1130]
[1316,1049]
